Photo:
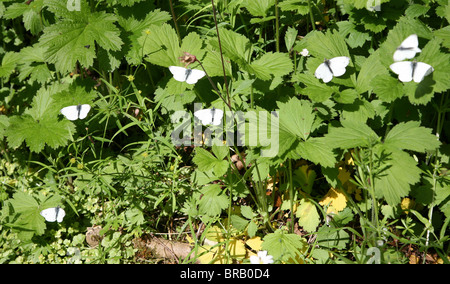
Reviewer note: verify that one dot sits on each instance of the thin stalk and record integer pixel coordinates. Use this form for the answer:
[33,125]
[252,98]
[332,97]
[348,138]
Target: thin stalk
[175,20]
[214,86]
[221,53]
[291,195]
[311,15]
[277,26]
[372,193]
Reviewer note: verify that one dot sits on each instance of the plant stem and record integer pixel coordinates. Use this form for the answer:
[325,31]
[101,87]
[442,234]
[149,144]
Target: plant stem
[214,86]
[175,20]
[277,26]
[291,195]
[374,199]
[221,53]
[311,15]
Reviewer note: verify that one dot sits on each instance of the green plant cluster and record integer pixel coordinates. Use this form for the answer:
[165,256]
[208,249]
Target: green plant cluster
[118,168]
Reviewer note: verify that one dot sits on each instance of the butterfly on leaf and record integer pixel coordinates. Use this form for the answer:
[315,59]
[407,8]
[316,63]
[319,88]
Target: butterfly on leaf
[411,70]
[190,76]
[76,112]
[407,49]
[330,68]
[53,214]
[209,116]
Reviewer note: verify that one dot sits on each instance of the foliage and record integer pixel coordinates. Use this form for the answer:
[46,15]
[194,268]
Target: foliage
[323,173]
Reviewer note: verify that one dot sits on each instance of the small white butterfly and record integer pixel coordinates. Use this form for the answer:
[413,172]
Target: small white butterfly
[407,49]
[53,214]
[333,67]
[411,70]
[76,112]
[209,116]
[190,76]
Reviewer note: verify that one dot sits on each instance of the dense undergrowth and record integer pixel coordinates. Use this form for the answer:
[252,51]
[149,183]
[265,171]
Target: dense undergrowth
[350,171]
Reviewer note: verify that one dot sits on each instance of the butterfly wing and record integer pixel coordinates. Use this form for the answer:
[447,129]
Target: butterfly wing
[53,214]
[204,115]
[338,64]
[324,73]
[217,117]
[407,49]
[179,73]
[421,70]
[84,110]
[403,69]
[194,76]
[60,215]
[70,112]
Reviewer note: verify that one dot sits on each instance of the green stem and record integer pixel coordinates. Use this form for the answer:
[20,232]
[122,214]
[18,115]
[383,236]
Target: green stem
[291,195]
[372,193]
[175,20]
[221,53]
[311,15]
[277,26]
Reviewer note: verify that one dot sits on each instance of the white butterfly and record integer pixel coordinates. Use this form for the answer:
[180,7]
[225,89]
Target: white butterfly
[411,70]
[53,214]
[76,112]
[191,76]
[333,67]
[407,49]
[209,116]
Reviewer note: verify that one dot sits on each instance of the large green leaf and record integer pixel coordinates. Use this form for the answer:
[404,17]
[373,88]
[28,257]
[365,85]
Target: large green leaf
[410,136]
[161,45]
[73,39]
[283,246]
[234,46]
[213,200]
[400,172]
[258,8]
[205,161]
[271,65]
[352,134]
[308,216]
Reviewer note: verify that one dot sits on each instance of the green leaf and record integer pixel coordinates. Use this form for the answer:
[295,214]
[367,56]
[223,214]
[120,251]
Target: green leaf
[371,68]
[271,65]
[352,134]
[234,46]
[31,15]
[297,118]
[247,212]
[318,151]
[37,133]
[400,172]
[411,136]
[290,37]
[161,45]
[386,87]
[299,6]
[67,40]
[135,29]
[327,45]
[329,237]
[205,161]
[9,63]
[238,222]
[308,216]
[29,221]
[213,200]
[314,89]
[283,246]
[258,8]
[4,123]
